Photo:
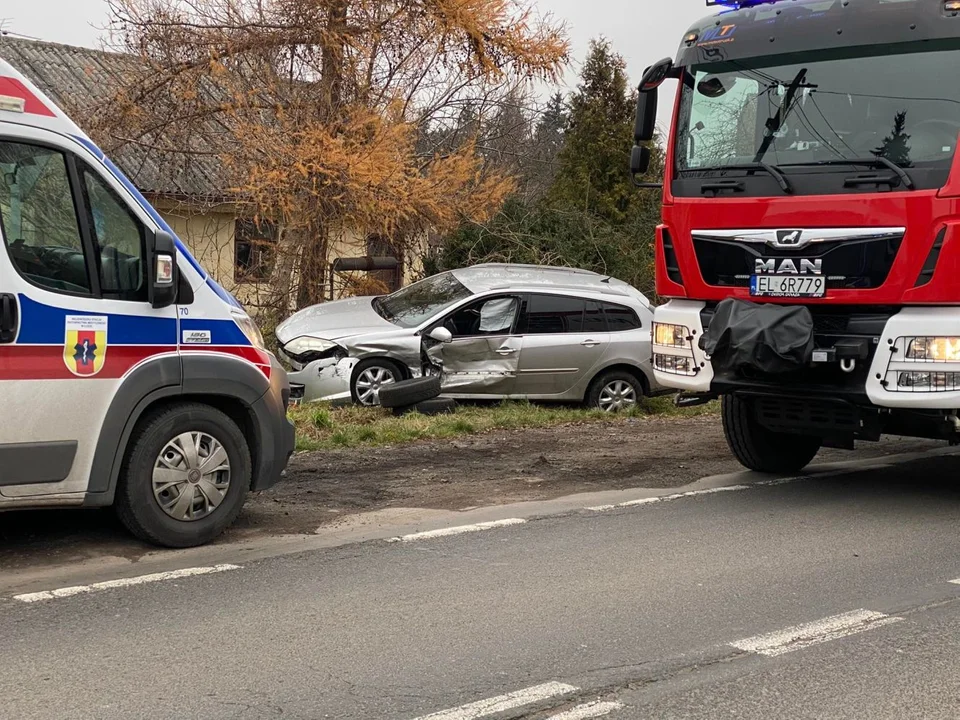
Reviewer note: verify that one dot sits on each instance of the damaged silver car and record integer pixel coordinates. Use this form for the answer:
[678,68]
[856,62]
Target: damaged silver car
[493,331]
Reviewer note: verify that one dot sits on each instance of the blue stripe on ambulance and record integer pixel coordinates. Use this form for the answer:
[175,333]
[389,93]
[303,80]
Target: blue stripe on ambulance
[46,325]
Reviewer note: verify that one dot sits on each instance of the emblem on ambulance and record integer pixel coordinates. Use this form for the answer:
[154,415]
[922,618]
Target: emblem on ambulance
[85,347]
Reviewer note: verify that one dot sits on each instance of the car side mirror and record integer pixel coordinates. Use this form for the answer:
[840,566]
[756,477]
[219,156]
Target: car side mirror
[164,275]
[441,334]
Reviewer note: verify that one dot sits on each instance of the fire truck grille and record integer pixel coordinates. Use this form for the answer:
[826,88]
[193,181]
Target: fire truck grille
[847,265]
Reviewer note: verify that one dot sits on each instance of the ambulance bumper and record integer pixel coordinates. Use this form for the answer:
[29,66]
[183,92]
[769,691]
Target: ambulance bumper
[275,430]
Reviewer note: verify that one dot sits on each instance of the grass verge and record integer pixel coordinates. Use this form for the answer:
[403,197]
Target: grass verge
[321,427]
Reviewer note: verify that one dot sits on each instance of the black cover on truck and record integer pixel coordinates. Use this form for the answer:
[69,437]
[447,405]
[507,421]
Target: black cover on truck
[772,339]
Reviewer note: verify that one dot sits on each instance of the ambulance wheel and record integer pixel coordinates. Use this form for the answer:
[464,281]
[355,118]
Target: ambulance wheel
[185,476]
[759,448]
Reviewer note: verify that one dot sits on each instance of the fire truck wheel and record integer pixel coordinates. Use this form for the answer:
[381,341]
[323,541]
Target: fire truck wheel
[760,449]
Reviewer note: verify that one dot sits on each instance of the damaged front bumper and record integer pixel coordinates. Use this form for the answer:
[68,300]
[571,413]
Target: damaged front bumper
[325,380]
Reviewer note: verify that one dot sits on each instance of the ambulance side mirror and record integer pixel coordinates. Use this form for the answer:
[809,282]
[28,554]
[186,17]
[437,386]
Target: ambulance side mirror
[163,272]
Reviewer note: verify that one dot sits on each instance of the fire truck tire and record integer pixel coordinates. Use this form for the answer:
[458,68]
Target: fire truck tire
[190,451]
[761,449]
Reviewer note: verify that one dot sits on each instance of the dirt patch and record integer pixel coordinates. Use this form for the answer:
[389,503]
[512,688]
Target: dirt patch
[496,468]
[504,467]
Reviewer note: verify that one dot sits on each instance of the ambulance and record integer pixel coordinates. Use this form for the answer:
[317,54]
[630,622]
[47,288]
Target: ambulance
[128,376]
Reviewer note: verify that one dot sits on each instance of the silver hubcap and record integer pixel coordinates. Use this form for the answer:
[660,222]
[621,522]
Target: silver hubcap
[191,476]
[617,395]
[370,382]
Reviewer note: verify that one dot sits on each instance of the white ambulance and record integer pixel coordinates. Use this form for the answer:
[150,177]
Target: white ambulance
[128,376]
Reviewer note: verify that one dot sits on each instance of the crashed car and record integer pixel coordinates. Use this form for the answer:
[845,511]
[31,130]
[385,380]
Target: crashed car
[493,331]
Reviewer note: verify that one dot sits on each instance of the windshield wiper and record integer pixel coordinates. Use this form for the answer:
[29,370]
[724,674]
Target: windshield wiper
[873,161]
[776,122]
[773,170]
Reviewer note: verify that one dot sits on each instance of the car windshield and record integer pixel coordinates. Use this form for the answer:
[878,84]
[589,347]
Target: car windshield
[417,303]
[901,105]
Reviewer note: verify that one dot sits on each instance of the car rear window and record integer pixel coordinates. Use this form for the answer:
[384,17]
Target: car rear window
[620,318]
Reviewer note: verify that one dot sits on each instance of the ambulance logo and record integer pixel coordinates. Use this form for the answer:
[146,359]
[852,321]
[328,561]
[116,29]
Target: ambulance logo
[85,347]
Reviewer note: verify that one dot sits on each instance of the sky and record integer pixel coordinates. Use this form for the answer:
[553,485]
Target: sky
[641,30]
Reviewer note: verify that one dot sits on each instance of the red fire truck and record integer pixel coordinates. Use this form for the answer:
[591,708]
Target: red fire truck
[809,253]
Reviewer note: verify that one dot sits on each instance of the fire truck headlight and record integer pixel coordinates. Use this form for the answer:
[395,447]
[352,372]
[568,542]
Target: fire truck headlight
[934,349]
[674,336]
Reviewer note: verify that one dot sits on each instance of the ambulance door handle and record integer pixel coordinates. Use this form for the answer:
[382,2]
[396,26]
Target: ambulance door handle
[8,318]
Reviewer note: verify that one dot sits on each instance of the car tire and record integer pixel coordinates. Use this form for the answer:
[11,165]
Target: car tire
[369,379]
[435,406]
[410,392]
[615,391]
[154,460]
[760,449]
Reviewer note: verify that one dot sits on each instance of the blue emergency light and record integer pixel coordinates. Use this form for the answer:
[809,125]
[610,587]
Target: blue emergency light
[737,3]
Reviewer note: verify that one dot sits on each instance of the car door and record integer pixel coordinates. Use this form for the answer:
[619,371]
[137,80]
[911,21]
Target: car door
[482,358]
[74,315]
[564,337]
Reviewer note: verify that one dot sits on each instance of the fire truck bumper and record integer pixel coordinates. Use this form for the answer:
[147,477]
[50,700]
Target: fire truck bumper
[678,360]
[917,362]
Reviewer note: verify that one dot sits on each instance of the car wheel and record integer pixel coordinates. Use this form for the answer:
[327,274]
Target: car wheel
[615,391]
[369,377]
[759,448]
[410,392]
[185,476]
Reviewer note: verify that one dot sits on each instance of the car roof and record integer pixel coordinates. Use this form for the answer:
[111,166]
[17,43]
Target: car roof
[501,276]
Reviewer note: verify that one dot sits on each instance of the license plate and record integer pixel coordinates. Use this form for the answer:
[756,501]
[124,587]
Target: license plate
[787,286]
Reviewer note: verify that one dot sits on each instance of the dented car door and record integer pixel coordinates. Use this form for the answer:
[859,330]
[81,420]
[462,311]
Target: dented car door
[484,354]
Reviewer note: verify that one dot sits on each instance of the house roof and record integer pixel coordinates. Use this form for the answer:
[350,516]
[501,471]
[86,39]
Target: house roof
[83,81]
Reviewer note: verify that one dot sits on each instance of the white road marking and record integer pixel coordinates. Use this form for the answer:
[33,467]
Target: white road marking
[588,710]
[460,530]
[669,498]
[954,582]
[123,582]
[502,703]
[814,633]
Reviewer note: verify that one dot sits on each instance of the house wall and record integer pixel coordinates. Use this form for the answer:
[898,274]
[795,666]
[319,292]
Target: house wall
[209,232]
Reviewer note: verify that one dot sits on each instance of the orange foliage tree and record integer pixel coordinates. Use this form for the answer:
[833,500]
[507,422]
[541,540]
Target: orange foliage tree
[329,116]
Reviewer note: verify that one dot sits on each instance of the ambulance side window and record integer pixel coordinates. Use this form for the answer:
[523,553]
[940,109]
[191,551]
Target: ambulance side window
[39,220]
[118,236]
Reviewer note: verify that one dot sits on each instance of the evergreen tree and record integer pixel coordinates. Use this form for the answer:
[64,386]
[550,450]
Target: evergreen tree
[593,172]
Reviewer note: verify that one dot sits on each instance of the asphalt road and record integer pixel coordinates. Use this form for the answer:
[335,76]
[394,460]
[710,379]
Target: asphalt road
[823,597]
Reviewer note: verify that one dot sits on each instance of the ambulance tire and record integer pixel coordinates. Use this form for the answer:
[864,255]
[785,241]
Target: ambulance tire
[760,449]
[137,507]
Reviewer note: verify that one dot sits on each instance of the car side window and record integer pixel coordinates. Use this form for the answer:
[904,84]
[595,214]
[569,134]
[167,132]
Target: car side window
[491,316]
[552,315]
[39,219]
[118,236]
[594,320]
[621,318]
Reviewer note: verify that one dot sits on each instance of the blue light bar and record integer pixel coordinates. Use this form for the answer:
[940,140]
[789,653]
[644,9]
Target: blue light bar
[737,3]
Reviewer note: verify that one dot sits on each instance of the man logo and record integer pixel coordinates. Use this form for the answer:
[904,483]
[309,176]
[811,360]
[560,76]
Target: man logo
[788,238]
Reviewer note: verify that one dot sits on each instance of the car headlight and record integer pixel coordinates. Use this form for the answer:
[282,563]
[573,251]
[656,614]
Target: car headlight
[936,349]
[306,349]
[250,329]
[675,336]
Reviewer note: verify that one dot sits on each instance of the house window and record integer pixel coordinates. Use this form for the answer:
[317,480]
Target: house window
[254,250]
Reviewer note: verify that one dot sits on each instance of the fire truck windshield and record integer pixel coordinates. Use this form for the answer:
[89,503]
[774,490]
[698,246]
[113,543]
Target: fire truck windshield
[822,109]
